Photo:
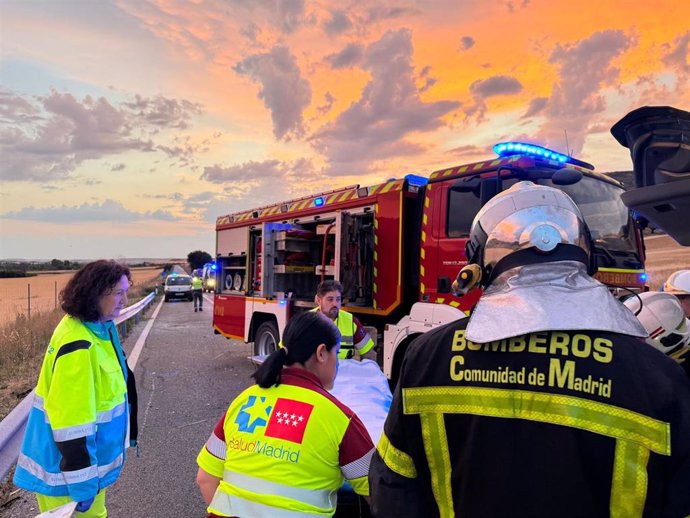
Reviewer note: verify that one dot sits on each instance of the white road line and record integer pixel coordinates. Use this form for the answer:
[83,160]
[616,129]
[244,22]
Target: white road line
[134,356]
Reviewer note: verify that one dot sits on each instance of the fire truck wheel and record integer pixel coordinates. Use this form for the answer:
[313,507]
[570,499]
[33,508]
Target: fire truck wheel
[266,339]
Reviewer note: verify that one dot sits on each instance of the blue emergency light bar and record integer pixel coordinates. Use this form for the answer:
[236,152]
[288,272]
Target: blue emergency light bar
[318,202]
[414,179]
[521,148]
[644,277]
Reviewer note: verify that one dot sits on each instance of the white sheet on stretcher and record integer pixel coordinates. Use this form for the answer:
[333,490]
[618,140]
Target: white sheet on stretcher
[364,389]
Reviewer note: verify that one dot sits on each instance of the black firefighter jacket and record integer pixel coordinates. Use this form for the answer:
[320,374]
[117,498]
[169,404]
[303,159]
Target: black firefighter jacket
[551,424]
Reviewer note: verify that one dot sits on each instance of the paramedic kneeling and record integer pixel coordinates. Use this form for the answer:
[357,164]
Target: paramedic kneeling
[285,445]
[546,401]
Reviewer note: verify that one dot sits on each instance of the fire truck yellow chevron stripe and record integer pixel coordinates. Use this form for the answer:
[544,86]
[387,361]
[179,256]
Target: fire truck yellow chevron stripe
[389,186]
[438,457]
[421,269]
[396,459]
[592,416]
[635,434]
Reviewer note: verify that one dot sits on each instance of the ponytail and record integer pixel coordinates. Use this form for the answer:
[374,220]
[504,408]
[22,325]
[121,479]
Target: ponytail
[302,335]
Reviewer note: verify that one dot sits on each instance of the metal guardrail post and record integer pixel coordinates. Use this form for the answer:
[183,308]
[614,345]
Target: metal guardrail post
[12,427]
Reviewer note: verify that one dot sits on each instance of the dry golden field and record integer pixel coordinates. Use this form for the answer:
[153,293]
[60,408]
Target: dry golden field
[45,291]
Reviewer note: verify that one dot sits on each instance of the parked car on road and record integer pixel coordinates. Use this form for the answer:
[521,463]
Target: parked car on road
[178,287]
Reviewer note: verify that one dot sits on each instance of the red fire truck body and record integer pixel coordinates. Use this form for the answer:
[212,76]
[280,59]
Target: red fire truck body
[395,247]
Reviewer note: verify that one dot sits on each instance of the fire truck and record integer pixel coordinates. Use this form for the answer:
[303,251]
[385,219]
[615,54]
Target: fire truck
[397,246]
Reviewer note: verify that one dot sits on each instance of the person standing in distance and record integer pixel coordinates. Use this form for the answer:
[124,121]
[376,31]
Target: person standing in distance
[545,401]
[285,445]
[197,291]
[354,338]
[84,411]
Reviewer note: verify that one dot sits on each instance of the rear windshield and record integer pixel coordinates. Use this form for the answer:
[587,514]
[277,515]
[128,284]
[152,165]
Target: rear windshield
[178,280]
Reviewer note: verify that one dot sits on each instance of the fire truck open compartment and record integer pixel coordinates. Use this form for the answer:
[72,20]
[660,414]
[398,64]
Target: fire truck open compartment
[288,259]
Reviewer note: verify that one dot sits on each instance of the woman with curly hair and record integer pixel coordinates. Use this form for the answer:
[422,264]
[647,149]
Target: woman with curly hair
[84,410]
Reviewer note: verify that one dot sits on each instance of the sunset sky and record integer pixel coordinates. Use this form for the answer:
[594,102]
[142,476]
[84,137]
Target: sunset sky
[127,127]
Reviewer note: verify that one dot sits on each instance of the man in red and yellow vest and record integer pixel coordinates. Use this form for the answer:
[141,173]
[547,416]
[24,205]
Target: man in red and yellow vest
[354,338]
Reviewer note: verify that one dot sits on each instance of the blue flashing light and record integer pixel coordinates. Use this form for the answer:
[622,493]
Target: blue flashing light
[318,202]
[514,148]
[414,179]
[282,302]
[644,277]
[213,267]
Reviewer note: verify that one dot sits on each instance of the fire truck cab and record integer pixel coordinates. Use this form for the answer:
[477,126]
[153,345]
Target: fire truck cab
[396,247]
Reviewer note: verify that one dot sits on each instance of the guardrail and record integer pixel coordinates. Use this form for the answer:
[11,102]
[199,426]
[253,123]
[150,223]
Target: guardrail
[12,427]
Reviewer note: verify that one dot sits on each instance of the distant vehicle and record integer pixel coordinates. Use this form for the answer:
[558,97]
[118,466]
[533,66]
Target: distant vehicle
[208,277]
[178,287]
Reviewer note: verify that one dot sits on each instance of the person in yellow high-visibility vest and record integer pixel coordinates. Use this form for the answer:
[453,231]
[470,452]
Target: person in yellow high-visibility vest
[83,415]
[285,445]
[197,291]
[354,338]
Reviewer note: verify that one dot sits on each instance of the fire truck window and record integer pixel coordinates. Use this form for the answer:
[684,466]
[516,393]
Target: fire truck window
[462,207]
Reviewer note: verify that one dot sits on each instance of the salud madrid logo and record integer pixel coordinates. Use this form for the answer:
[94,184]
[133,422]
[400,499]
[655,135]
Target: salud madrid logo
[287,419]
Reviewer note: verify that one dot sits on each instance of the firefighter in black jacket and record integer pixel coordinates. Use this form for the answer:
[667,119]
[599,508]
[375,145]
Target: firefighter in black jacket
[546,401]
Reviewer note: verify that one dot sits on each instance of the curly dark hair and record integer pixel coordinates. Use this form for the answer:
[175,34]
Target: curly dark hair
[82,293]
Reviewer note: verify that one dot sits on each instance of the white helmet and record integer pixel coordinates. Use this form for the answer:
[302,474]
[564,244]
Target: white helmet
[527,224]
[662,316]
[678,283]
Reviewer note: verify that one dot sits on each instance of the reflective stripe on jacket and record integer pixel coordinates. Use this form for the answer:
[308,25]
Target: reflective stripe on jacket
[77,429]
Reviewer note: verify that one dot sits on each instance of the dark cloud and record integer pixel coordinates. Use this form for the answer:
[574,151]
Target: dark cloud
[677,55]
[290,14]
[257,184]
[14,108]
[46,138]
[483,89]
[327,105]
[183,150]
[283,89]
[380,13]
[390,107]
[536,105]
[496,85]
[109,210]
[585,70]
[466,42]
[248,171]
[469,150]
[163,112]
[351,55]
[337,24]
[512,7]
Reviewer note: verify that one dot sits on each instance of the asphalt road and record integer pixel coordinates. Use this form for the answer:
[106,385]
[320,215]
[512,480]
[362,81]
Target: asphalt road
[186,377]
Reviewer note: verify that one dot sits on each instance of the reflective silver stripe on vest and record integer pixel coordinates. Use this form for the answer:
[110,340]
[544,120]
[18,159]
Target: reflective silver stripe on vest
[108,415]
[321,498]
[57,479]
[358,468]
[74,432]
[226,505]
[216,446]
[104,469]
[66,477]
